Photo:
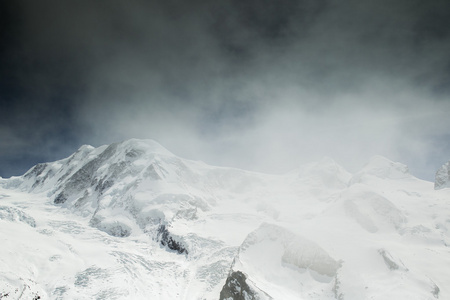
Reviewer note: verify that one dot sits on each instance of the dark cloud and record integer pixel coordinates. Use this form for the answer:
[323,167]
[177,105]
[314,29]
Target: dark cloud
[264,85]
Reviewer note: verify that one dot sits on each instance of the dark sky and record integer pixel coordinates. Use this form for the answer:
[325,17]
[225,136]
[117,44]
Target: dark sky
[263,85]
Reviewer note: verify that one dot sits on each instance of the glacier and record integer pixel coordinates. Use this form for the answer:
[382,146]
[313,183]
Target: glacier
[131,220]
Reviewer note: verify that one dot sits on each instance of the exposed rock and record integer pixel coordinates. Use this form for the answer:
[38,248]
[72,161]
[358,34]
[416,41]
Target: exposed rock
[168,241]
[435,291]
[111,227]
[12,287]
[60,199]
[442,177]
[36,170]
[390,261]
[236,288]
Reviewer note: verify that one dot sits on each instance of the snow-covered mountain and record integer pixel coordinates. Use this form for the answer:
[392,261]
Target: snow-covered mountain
[133,221]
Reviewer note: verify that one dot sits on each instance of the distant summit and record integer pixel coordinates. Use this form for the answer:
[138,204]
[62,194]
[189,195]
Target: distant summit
[382,168]
[327,173]
[442,177]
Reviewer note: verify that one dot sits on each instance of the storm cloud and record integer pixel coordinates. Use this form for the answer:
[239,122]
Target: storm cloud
[262,85]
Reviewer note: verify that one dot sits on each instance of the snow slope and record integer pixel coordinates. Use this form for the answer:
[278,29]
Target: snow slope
[133,221]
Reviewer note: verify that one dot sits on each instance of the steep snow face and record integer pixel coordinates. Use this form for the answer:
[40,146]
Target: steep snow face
[132,221]
[92,167]
[442,177]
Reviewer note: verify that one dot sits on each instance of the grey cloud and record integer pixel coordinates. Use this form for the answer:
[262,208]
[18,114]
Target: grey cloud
[257,84]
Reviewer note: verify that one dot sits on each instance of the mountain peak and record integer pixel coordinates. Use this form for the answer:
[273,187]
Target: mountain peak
[97,169]
[381,167]
[327,172]
[145,145]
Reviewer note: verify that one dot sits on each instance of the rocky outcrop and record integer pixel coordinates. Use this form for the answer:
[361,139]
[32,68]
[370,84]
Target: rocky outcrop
[167,240]
[236,288]
[442,177]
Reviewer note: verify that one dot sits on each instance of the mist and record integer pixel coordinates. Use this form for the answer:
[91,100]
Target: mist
[260,85]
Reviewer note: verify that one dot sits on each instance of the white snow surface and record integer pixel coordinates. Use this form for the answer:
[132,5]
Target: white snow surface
[89,227]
